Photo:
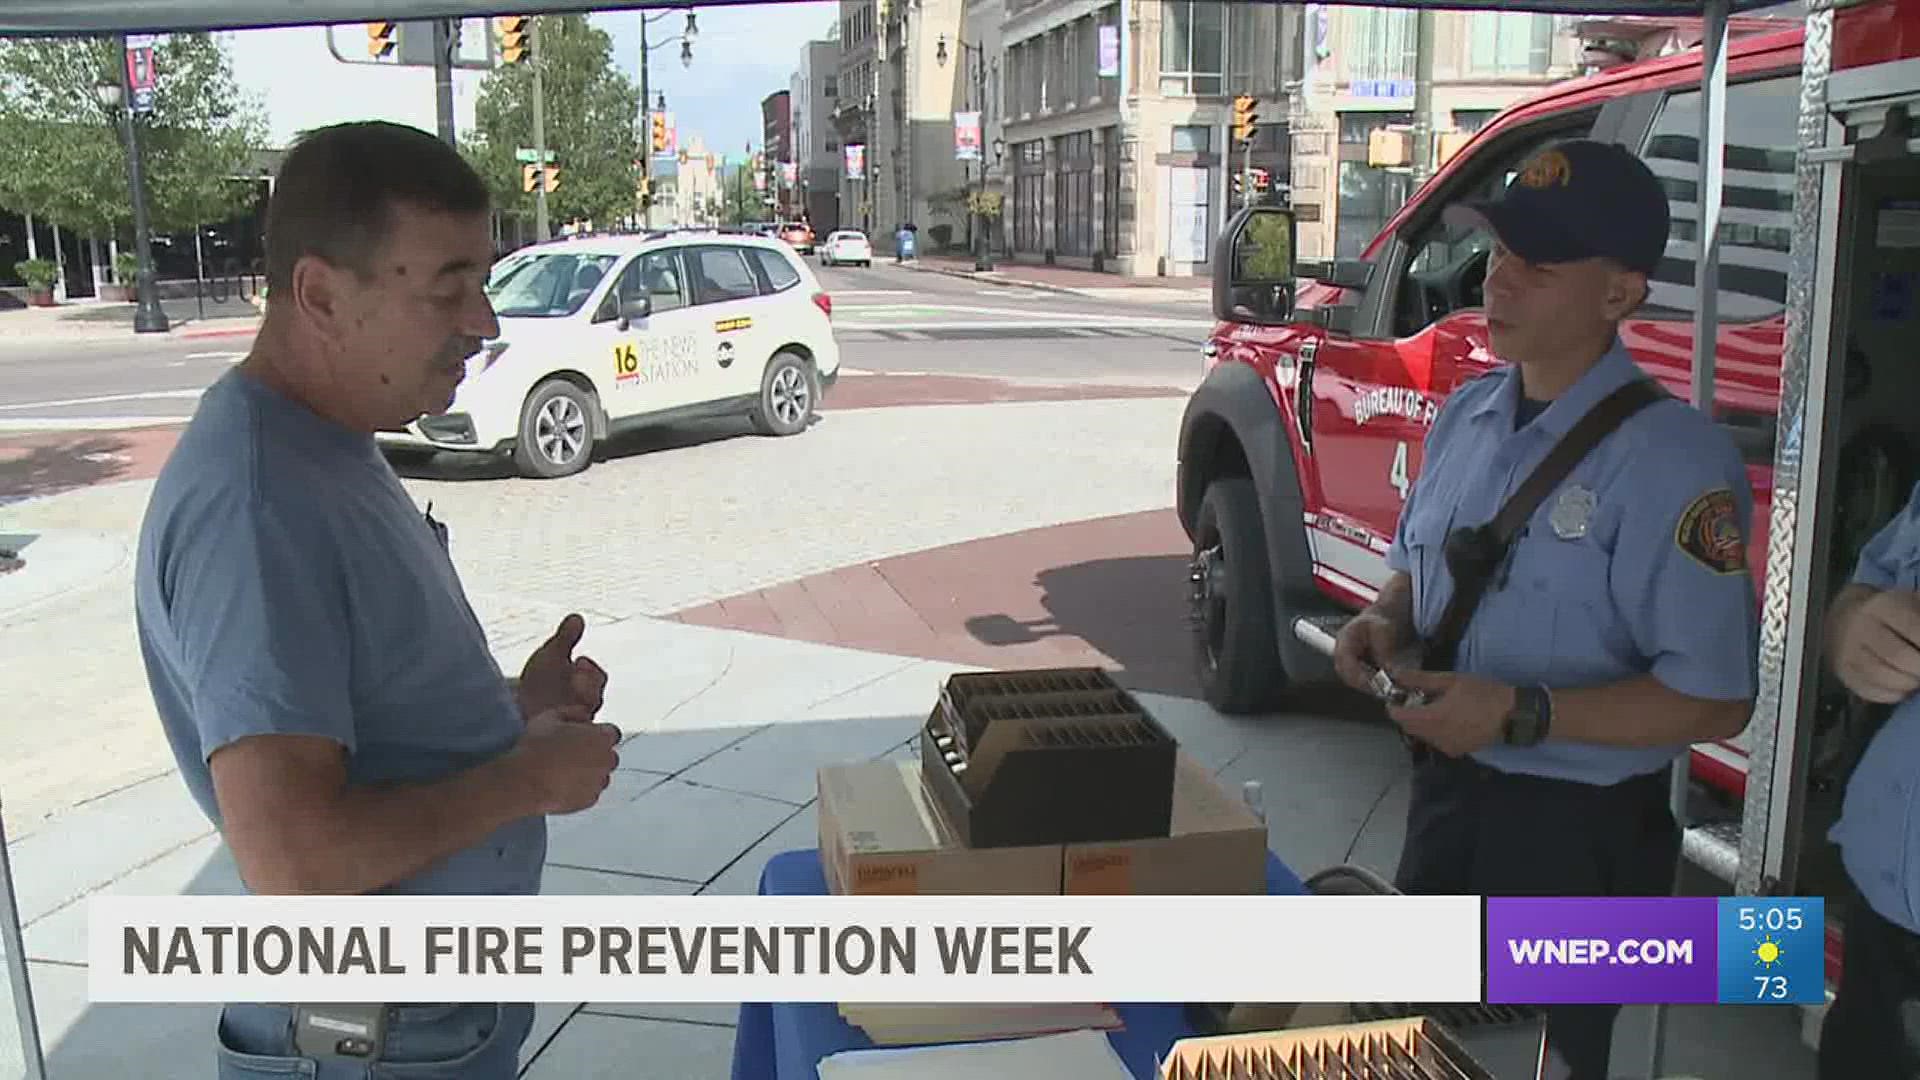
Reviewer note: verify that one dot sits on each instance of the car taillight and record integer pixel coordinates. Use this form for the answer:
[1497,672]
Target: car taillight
[824,303]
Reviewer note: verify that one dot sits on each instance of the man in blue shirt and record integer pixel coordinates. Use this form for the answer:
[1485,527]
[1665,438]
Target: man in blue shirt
[1873,644]
[1621,625]
[326,688]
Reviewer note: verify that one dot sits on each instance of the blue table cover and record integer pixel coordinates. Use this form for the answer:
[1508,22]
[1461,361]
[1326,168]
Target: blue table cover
[785,1041]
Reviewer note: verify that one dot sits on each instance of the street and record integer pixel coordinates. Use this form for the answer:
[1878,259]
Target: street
[889,320]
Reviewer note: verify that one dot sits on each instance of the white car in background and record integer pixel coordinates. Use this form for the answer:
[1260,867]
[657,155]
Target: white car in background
[602,334]
[846,246]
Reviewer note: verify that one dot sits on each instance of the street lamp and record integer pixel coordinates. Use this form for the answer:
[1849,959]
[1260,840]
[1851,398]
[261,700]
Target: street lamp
[982,250]
[148,316]
[686,61]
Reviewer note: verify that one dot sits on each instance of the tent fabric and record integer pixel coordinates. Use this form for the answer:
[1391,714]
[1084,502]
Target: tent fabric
[78,17]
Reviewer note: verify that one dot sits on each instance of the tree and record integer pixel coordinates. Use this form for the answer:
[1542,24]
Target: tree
[592,115]
[66,161]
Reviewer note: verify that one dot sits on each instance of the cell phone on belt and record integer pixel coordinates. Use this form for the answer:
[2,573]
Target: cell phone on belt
[340,1031]
[1392,692]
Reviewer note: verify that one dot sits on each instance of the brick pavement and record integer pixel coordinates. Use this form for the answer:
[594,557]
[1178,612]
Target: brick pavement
[1107,592]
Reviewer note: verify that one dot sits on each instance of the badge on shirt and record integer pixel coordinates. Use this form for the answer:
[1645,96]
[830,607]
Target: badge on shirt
[1571,512]
[1709,532]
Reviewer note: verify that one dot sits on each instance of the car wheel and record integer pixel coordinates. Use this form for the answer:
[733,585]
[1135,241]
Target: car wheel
[1236,649]
[787,396]
[556,431]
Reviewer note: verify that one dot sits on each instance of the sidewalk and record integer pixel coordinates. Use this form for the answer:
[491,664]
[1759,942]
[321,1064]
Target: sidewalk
[87,319]
[727,728]
[1065,280]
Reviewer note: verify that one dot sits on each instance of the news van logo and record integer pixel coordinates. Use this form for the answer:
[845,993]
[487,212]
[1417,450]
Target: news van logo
[1655,950]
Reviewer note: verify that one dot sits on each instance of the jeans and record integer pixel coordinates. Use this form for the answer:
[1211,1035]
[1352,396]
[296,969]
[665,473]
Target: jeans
[424,1042]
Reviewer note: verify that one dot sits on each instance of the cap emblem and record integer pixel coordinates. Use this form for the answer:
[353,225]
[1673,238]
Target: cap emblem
[1549,169]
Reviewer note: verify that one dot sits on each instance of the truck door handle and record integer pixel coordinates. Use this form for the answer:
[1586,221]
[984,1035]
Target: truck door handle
[1303,394]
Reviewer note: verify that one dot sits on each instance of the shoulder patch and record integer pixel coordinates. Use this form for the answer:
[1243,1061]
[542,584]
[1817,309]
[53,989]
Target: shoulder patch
[1709,533]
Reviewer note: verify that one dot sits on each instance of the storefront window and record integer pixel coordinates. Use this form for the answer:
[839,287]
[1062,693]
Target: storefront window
[1073,195]
[1029,187]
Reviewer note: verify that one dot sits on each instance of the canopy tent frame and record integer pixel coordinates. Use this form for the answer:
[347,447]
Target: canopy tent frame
[1755,860]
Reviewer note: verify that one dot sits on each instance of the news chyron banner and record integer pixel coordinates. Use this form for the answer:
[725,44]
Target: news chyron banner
[855,949]
[962,949]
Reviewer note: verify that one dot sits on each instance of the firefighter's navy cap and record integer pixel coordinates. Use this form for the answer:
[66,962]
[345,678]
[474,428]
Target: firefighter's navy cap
[1578,200]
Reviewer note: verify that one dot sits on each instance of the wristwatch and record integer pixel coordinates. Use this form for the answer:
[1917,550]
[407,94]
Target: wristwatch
[1531,718]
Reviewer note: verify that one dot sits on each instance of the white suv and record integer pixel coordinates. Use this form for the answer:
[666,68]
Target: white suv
[600,334]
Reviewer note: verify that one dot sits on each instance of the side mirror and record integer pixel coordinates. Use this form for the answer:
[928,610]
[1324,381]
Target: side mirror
[1340,273]
[633,309]
[1253,267]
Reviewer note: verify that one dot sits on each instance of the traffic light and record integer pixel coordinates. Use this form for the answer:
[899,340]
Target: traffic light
[515,43]
[380,40]
[659,136]
[531,177]
[1243,118]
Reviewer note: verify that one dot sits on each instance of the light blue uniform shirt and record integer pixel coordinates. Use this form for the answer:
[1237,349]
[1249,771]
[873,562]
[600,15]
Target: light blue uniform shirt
[287,584]
[1879,827]
[1622,599]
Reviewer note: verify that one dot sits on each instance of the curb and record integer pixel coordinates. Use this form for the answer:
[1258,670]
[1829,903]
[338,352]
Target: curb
[1021,283]
[237,331]
[1003,282]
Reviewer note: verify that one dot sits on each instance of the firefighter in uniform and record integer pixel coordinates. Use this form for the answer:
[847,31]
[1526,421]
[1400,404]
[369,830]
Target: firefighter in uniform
[1620,625]
[1873,645]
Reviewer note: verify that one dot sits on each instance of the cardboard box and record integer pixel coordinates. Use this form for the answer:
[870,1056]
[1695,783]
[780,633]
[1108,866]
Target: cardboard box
[1414,1046]
[1217,848]
[882,834]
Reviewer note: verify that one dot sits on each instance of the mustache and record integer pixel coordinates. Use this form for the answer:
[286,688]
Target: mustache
[458,349]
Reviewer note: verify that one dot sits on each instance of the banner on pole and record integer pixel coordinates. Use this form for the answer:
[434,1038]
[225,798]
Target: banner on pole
[966,136]
[856,154]
[1109,52]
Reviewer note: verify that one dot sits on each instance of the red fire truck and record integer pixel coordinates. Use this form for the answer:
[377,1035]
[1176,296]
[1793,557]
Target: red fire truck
[1297,451]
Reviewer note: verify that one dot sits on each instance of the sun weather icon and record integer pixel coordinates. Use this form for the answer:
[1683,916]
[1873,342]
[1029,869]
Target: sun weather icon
[1772,950]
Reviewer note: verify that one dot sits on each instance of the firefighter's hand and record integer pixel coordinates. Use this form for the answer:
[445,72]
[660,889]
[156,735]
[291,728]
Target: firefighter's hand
[1463,713]
[1366,644]
[1877,647]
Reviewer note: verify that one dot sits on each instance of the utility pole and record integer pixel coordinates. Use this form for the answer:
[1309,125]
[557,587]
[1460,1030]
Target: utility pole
[646,136]
[446,36]
[149,317]
[1423,97]
[539,135]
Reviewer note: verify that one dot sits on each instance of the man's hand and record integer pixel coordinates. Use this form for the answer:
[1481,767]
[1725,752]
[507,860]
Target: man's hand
[1463,712]
[554,678]
[1876,647]
[565,759]
[1366,643]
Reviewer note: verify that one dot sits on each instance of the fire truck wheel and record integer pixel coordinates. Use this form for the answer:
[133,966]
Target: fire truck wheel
[1236,649]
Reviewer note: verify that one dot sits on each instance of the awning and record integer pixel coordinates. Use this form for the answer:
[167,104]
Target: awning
[43,17]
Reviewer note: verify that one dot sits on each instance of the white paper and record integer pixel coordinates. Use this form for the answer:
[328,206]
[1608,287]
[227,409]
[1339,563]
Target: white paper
[1081,1055]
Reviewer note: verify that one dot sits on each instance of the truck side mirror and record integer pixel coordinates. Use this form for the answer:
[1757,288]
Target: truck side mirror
[1253,267]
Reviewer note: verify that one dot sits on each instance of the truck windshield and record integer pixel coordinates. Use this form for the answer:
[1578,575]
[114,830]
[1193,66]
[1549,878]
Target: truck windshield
[546,284]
